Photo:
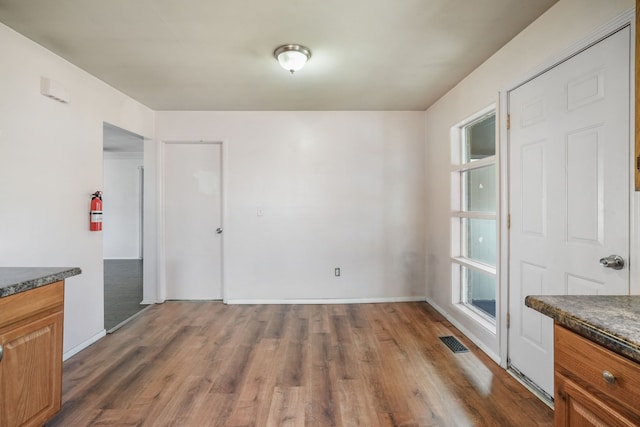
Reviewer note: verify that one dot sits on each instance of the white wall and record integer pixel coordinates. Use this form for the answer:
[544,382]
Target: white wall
[565,24]
[121,205]
[50,163]
[338,189]
[150,227]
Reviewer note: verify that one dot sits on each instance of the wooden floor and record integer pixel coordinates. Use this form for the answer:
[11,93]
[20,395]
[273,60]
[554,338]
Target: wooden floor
[210,364]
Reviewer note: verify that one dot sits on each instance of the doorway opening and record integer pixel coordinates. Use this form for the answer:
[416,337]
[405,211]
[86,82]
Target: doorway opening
[123,193]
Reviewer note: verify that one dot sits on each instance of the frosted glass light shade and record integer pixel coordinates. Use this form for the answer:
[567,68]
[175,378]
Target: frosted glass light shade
[292,57]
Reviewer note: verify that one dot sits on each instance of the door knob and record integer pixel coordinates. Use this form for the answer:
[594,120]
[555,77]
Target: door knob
[612,261]
[219,230]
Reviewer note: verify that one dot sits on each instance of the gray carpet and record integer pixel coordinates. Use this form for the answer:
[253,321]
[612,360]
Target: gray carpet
[122,290]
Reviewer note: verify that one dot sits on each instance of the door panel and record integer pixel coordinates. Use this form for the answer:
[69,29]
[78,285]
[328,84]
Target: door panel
[569,190]
[192,204]
[584,203]
[532,174]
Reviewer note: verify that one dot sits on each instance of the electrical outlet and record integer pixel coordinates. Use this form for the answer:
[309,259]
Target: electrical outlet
[337,271]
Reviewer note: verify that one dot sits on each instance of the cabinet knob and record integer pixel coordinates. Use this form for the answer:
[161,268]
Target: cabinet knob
[608,377]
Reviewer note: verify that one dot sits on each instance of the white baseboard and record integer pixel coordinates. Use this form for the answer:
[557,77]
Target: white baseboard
[495,357]
[324,300]
[148,302]
[127,320]
[77,349]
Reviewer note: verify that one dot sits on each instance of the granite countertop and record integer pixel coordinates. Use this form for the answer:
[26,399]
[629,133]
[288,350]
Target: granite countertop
[14,280]
[610,320]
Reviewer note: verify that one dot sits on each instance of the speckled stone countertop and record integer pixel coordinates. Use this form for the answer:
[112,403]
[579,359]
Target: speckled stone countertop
[612,321]
[14,280]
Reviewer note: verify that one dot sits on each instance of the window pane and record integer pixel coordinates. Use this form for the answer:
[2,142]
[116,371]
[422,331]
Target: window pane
[474,239]
[480,194]
[480,240]
[479,139]
[479,291]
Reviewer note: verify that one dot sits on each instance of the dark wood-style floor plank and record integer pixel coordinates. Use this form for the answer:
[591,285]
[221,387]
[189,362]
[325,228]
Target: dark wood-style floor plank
[122,290]
[209,364]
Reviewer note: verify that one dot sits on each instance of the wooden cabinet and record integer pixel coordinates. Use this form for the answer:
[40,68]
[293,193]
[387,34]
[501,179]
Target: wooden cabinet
[31,366]
[593,386]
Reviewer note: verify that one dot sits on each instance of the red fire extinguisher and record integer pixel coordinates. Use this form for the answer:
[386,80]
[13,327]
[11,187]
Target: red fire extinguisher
[95,214]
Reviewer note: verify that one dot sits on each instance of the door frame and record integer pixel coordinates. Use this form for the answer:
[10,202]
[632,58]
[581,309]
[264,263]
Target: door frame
[619,22]
[161,290]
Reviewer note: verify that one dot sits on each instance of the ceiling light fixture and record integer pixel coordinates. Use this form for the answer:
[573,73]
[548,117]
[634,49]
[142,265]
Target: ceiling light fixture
[292,57]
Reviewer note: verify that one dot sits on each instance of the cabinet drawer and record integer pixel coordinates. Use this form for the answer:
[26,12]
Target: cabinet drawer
[20,306]
[586,363]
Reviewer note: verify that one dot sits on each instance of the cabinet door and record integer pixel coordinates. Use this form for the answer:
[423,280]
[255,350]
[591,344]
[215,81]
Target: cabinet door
[31,372]
[574,406]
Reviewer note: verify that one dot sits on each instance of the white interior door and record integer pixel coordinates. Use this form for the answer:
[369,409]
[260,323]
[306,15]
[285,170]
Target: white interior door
[192,212]
[569,192]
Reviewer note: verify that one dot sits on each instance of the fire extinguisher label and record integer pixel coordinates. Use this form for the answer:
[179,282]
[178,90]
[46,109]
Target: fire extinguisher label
[96,216]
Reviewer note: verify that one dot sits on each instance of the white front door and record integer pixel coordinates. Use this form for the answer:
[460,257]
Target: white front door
[192,215]
[569,191]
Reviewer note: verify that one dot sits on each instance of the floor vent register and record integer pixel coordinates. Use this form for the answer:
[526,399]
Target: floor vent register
[453,344]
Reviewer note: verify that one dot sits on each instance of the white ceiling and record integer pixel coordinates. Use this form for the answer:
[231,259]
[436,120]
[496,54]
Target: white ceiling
[116,140]
[217,55]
